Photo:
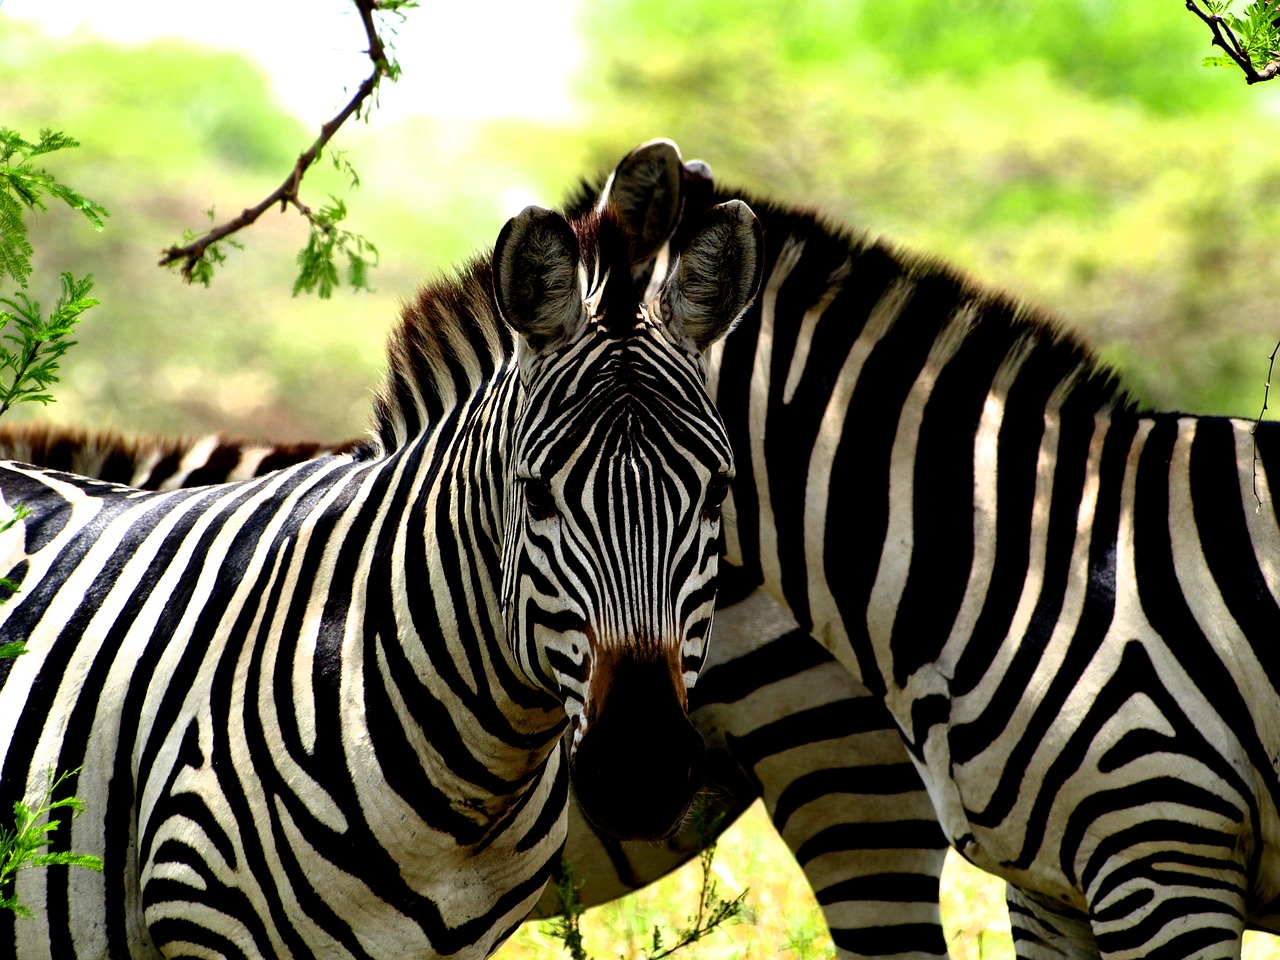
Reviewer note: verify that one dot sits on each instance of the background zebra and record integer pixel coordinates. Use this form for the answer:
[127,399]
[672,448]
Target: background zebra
[393,781]
[1068,605]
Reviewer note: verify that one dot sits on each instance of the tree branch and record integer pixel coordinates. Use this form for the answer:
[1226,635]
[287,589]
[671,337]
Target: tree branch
[1225,37]
[287,193]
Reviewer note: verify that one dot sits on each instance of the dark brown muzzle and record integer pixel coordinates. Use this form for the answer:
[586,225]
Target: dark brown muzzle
[639,763]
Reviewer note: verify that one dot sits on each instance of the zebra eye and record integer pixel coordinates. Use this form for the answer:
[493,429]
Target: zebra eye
[717,490]
[538,499]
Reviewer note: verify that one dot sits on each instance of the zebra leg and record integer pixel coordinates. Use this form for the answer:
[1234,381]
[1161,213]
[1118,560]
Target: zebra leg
[1149,908]
[1168,905]
[835,778]
[1044,930]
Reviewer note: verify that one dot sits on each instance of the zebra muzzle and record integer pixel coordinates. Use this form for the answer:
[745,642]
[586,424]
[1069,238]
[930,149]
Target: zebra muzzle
[639,761]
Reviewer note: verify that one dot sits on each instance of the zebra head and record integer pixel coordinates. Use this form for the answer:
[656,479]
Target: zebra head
[612,521]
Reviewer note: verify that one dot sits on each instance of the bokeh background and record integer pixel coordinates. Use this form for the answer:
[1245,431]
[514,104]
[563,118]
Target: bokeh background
[1073,151]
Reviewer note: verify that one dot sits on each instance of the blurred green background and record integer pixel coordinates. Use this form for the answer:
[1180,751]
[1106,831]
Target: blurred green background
[1073,151]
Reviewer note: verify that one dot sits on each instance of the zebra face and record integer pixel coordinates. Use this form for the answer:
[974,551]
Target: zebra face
[612,522]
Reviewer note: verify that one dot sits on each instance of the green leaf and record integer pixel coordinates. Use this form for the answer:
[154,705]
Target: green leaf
[27,370]
[24,187]
[19,847]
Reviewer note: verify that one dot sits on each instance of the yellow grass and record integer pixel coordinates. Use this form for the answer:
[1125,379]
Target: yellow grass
[784,920]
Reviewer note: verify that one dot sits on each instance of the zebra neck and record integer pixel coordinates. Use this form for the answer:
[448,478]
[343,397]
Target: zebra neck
[890,419]
[434,634]
[447,349]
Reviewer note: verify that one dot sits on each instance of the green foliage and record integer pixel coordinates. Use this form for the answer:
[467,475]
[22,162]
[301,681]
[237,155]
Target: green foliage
[215,254]
[197,259]
[1087,45]
[385,11]
[1258,31]
[23,186]
[13,649]
[9,587]
[317,271]
[712,912]
[31,355]
[20,847]
[1140,204]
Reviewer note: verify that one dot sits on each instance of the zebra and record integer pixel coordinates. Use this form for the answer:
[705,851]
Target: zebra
[1066,602]
[797,731]
[320,712]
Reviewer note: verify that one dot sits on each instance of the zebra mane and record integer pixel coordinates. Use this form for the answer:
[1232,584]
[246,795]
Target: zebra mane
[964,306]
[448,342]
[955,307]
[153,462]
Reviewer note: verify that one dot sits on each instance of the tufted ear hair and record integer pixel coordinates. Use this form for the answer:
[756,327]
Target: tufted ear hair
[535,278]
[716,277]
[646,191]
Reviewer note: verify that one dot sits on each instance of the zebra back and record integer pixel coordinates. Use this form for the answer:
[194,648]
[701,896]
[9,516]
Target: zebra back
[157,463]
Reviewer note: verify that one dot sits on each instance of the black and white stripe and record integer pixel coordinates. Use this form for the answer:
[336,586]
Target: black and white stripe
[320,711]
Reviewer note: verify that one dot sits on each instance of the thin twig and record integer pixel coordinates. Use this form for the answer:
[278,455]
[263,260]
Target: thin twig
[287,193]
[1266,393]
[1233,47]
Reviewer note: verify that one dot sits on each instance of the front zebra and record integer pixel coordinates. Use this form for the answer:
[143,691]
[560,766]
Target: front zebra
[319,712]
[1069,606]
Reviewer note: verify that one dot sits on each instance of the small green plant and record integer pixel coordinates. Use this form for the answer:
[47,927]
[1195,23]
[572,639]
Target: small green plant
[30,355]
[30,346]
[25,187]
[713,911]
[20,848]
[9,587]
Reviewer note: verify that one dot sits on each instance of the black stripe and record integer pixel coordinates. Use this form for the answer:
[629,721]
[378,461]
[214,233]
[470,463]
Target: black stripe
[942,502]
[1224,537]
[864,780]
[728,682]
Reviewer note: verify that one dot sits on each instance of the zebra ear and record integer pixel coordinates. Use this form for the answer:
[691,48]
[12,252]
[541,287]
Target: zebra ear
[716,277]
[646,191]
[535,278]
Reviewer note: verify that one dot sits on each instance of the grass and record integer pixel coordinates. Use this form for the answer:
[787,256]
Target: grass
[783,918]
